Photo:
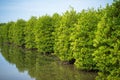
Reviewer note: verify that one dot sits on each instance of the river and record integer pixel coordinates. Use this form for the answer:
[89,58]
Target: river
[19,64]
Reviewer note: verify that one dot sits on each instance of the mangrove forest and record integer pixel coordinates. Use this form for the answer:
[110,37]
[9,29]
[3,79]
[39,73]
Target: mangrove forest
[90,39]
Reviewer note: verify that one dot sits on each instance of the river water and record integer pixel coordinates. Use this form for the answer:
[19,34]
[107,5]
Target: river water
[19,64]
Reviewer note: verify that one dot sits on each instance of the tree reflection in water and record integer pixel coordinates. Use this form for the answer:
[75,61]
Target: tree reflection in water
[42,67]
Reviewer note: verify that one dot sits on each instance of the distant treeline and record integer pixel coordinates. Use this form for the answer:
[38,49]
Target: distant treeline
[91,37]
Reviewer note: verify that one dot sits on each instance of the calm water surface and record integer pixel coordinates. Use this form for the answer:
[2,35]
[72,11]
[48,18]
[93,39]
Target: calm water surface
[10,72]
[19,64]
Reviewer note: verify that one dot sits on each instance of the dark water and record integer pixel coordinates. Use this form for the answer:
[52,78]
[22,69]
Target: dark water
[19,64]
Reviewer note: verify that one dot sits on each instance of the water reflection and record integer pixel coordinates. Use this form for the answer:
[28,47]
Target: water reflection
[41,67]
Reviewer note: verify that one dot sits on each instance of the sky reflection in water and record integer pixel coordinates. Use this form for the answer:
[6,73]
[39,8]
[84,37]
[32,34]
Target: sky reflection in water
[19,64]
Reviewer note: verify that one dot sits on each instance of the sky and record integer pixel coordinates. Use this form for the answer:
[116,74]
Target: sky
[12,10]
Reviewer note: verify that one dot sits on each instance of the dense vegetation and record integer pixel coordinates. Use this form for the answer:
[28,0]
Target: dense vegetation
[91,38]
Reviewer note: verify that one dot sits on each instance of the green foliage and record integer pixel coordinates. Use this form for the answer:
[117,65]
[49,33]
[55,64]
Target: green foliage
[18,32]
[10,32]
[63,32]
[82,45]
[3,35]
[29,33]
[91,37]
[43,34]
[107,42]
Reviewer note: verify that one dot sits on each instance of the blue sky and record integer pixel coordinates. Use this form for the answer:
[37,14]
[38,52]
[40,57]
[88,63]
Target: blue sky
[11,10]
